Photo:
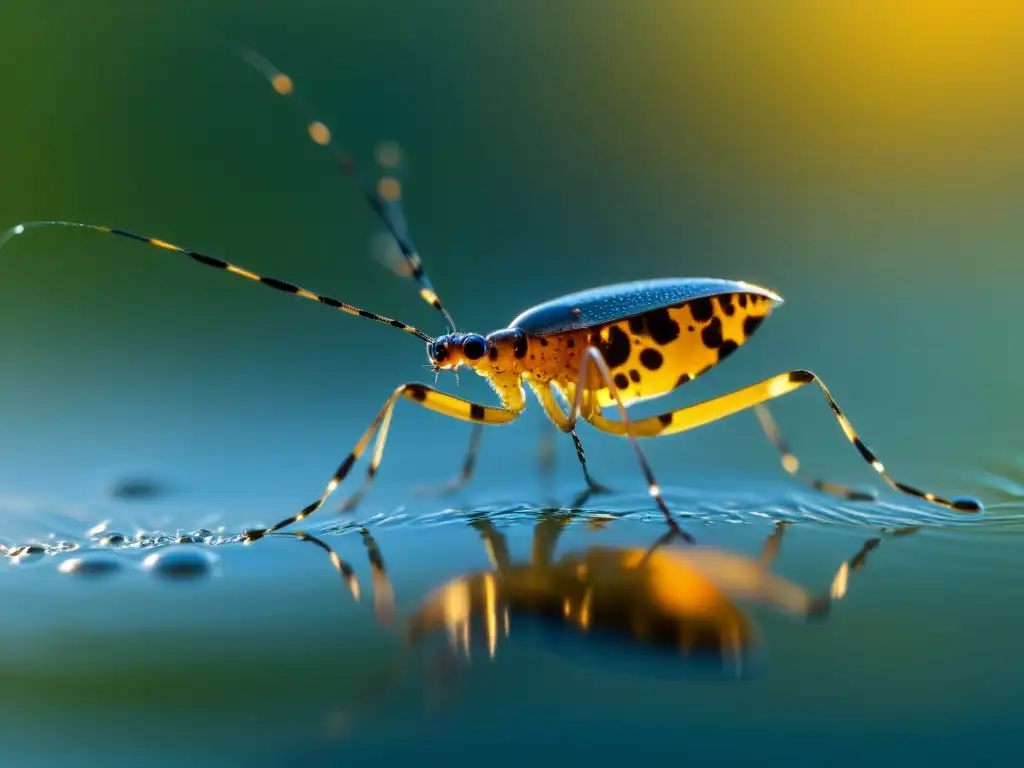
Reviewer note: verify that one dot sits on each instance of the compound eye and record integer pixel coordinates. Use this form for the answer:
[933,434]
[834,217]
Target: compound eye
[474,347]
[439,351]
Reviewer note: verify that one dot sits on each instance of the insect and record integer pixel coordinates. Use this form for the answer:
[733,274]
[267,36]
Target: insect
[668,610]
[594,351]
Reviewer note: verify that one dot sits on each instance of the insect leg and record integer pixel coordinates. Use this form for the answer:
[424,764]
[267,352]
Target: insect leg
[429,398]
[383,592]
[840,581]
[562,422]
[768,389]
[468,465]
[592,485]
[791,463]
[592,362]
[545,537]
[770,550]
[342,566]
[495,543]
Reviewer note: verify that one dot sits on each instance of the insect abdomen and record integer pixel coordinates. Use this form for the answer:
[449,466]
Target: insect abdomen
[654,352]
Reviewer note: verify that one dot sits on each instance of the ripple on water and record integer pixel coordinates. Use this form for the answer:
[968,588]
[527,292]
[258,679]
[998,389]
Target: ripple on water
[183,555]
[749,503]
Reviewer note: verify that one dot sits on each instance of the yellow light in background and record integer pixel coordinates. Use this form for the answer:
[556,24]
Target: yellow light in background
[810,96]
[864,86]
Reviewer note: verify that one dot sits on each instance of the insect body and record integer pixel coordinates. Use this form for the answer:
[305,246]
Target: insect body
[597,350]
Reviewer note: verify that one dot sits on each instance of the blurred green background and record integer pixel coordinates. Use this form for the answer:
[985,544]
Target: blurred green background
[863,159]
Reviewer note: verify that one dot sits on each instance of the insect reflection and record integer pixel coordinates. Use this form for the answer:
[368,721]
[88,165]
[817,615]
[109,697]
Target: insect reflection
[678,606]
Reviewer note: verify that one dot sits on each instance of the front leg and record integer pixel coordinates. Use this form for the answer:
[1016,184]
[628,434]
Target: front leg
[428,397]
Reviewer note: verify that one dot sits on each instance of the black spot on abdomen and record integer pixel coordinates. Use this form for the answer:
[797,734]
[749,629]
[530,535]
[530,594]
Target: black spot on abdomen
[616,349]
[702,309]
[751,324]
[712,334]
[651,359]
[660,326]
[728,347]
[621,381]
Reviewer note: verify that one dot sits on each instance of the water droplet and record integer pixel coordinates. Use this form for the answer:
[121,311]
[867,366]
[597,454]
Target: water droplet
[90,566]
[137,489]
[26,554]
[112,539]
[181,563]
[968,503]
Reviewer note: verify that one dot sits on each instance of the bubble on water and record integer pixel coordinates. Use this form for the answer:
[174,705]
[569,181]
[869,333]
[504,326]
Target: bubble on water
[28,553]
[181,563]
[92,565]
[137,489]
[112,539]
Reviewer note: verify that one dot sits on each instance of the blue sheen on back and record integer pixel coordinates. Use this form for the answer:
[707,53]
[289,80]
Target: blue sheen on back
[610,303]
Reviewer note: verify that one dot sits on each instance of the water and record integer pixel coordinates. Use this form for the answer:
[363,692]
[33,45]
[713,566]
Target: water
[259,653]
[152,412]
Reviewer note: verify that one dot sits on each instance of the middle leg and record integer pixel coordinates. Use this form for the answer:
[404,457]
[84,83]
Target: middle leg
[593,367]
[559,419]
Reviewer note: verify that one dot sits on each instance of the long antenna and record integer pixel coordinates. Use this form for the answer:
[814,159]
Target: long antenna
[212,261]
[384,198]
